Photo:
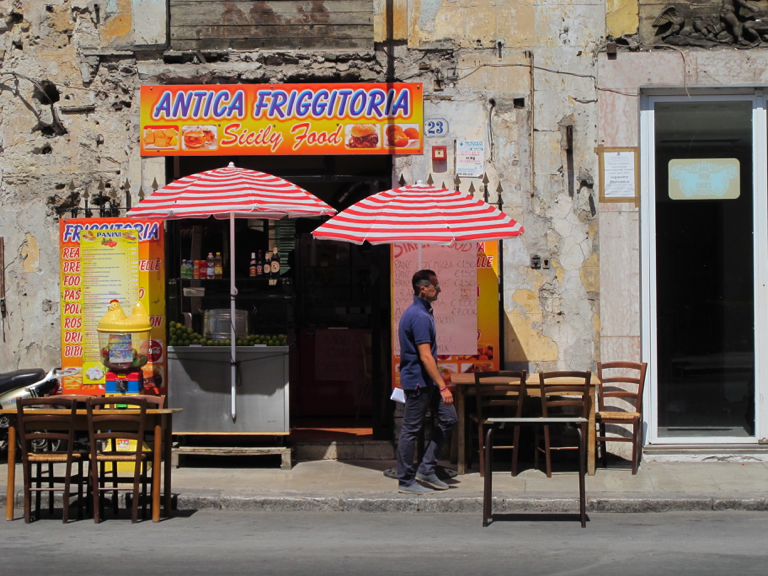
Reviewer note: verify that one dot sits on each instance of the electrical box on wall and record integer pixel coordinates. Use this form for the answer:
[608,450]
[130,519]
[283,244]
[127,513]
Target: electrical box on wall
[439,153]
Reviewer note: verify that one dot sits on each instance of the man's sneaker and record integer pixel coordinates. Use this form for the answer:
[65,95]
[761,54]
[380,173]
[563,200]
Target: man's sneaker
[414,488]
[431,480]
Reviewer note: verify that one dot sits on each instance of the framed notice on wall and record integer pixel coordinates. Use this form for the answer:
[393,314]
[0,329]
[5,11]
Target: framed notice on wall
[619,174]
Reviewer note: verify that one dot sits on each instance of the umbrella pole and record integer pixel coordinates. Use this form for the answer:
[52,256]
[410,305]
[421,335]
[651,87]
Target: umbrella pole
[502,313]
[232,294]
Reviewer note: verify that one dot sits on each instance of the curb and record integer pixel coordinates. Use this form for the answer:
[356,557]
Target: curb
[436,504]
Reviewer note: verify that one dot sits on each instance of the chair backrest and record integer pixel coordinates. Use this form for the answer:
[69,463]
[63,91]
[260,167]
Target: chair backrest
[566,390]
[53,428]
[621,380]
[120,424]
[153,402]
[503,389]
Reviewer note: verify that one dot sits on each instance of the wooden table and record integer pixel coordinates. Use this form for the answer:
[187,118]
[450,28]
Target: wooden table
[464,385]
[541,421]
[160,420]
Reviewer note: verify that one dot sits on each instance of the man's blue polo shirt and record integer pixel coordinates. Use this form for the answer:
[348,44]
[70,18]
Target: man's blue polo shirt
[417,326]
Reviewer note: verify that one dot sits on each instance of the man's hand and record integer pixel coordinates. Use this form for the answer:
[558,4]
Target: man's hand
[447,397]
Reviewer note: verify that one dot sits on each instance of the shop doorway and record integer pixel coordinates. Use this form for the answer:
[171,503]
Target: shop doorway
[704,220]
[340,304]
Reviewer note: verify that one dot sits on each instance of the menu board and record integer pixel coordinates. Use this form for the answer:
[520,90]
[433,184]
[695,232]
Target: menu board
[467,310]
[110,269]
[104,259]
[455,309]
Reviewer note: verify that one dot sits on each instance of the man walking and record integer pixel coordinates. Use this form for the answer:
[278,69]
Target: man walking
[424,386]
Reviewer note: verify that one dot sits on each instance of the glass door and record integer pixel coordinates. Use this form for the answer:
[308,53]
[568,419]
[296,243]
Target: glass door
[701,318]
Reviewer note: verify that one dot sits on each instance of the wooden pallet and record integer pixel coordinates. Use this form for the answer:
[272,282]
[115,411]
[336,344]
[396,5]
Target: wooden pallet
[283,451]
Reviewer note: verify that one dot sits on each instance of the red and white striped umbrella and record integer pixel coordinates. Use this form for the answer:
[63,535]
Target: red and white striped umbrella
[227,192]
[421,214]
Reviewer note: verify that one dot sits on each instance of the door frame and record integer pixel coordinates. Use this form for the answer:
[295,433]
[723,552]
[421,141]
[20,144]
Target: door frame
[648,255]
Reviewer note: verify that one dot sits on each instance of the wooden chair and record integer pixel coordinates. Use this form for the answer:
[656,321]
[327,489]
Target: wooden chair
[49,439]
[498,399]
[106,429]
[623,380]
[559,398]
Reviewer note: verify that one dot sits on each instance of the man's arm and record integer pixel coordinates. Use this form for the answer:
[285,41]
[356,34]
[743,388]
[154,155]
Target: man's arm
[425,355]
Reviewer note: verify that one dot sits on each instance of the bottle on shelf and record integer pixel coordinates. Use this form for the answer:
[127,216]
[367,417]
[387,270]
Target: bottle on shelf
[183,271]
[259,264]
[268,264]
[252,268]
[210,267]
[196,269]
[189,269]
[275,262]
[218,266]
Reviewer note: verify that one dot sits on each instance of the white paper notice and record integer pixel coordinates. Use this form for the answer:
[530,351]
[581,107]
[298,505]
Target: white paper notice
[619,174]
[470,156]
[455,310]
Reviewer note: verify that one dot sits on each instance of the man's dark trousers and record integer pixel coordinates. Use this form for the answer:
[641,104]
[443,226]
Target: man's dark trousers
[417,402]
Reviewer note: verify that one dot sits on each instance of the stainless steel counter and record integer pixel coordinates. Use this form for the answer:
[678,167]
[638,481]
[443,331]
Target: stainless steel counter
[199,383]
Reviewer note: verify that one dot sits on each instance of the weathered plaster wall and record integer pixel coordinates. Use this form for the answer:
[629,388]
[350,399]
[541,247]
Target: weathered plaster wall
[518,76]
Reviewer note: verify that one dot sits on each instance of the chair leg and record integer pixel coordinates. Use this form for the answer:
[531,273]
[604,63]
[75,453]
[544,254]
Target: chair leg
[582,473]
[96,468]
[50,488]
[547,457]
[80,489]
[536,442]
[136,493]
[635,445]
[603,446]
[481,449]
[27,493]
[515,444]
[65,495]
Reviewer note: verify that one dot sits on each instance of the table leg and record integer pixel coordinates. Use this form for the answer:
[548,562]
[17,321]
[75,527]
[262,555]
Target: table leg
[461,467]
[11,488]
[582,489]
[156,469]
[488,479]
[168,450]
[591,433]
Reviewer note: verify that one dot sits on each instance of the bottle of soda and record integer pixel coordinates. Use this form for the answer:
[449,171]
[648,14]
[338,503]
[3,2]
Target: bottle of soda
[268,264]
[275,262]
[259,264]
[183,272]
[196,269]
[252,268]
[218,266]
[210,267]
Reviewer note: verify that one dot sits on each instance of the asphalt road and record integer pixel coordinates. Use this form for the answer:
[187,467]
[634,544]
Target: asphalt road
[230,543]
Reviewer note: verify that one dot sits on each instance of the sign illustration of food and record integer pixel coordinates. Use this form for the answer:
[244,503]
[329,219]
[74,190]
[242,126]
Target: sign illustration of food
[161,137]
[400,137]
[363,136]
[199,137]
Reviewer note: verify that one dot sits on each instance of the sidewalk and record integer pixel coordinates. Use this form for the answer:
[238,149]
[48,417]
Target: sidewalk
[336,486]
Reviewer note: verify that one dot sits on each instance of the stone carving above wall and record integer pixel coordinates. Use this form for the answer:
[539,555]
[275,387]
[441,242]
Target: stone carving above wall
[741,23]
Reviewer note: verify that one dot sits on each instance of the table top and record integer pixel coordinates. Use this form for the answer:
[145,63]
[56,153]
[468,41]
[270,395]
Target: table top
[468,379]
[539,420]
[84,412]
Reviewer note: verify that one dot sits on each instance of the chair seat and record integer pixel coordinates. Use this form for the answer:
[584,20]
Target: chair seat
[617,415]
[116,457]
[50,457]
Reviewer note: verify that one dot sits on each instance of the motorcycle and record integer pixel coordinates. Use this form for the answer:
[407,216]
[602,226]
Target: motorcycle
[30,383]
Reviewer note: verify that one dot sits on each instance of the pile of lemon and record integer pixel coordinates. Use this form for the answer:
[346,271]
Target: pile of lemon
[180,335]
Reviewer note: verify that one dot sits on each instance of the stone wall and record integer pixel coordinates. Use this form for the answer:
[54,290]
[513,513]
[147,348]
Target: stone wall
[518,76]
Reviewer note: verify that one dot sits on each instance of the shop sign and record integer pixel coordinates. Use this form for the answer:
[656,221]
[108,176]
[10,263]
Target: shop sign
[296,119]
[704,179]
[104,259]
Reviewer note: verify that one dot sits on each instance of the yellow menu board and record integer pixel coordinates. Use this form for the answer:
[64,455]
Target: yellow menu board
[104,259]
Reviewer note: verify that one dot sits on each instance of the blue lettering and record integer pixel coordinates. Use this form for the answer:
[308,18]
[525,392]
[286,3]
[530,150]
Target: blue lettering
[357,104]
[182,104]
[342,110]
[237,107]
[199,99]
[376,99]
[402,104]
[319,103]
[163,107]
[278,99]
[303,103]
[219,104]
[260,102]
